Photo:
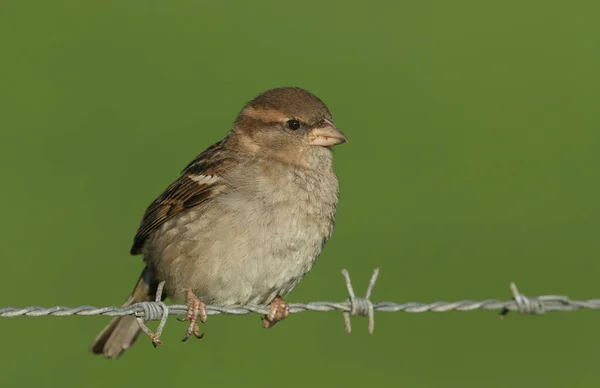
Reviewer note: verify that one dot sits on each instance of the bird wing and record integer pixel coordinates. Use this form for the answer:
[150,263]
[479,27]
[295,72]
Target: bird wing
[199,182]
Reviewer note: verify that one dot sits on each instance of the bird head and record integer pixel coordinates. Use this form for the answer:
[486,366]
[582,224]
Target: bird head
[287,121]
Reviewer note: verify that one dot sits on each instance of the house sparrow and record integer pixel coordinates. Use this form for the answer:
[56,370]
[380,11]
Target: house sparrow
[245,221]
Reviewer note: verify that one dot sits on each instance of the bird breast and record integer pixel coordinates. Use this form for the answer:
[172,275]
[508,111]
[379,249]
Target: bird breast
[252,243]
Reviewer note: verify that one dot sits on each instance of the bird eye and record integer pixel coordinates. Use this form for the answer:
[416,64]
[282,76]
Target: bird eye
[293,124]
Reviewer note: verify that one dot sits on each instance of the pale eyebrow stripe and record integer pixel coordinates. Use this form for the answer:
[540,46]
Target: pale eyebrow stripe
[265,114]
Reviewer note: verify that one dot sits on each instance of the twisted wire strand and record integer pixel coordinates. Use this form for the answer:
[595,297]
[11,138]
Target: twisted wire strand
[353,306]
[551,303]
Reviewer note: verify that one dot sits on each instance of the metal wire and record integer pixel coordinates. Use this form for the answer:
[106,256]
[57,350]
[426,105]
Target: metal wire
[354,306]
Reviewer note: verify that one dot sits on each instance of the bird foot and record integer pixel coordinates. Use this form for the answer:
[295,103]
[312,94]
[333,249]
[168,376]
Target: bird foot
[279,310]
[196,310]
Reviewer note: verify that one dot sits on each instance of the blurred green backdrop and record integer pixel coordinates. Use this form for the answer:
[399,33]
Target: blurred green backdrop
[473,161]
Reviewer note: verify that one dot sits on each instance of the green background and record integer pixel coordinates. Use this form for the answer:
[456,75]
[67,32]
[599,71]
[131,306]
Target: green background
[473,162]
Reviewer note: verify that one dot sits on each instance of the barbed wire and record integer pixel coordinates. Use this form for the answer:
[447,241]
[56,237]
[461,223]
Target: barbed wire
[353,306]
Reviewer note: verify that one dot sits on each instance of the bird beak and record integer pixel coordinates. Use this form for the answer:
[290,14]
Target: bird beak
[326,136]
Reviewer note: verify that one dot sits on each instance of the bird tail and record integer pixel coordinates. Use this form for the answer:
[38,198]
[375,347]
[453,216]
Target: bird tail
[122,332]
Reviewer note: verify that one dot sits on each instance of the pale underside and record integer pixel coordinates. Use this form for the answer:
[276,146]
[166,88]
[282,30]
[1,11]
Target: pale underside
[250,243]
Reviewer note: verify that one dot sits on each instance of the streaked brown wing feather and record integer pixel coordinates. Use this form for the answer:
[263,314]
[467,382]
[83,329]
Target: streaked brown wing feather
[192,188]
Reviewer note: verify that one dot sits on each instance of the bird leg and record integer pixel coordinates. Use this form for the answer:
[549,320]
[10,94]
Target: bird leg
[279,310]
[196,309]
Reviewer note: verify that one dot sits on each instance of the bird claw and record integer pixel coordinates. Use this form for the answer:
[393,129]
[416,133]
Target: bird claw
[155,340]
[194,329]
[196,309]
[279,310]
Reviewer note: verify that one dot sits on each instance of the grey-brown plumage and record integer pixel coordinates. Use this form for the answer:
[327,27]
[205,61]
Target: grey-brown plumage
[246,219]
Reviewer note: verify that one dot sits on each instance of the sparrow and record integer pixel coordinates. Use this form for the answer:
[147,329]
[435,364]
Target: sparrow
[246,219]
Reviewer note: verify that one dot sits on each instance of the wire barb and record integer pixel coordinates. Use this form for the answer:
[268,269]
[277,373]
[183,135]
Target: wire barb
[151,311]
[525,305]
[360,306]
